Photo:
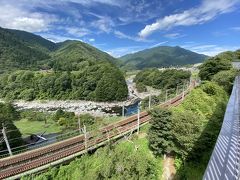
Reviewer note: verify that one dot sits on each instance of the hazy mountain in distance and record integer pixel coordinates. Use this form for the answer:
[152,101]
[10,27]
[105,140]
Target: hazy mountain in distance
[161,56]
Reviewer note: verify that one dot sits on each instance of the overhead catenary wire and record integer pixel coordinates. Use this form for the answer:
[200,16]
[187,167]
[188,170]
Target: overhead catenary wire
[12,130]
[49,140]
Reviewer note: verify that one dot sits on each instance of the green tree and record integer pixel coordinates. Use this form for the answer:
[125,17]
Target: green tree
[159,135]
[141,87]
[87,119]
[225,79]
[8,115]
[186,130]
[167,79]
[212,66]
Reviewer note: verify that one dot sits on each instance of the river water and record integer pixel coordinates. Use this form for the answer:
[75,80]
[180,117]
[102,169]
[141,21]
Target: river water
[128,110]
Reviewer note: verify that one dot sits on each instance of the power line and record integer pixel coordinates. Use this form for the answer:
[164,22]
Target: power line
[12,130]
[42,143]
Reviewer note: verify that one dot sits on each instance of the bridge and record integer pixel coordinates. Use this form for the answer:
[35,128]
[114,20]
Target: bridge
[32,161]
[224,162]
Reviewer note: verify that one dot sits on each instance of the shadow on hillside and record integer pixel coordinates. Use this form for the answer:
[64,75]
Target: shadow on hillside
[194,166]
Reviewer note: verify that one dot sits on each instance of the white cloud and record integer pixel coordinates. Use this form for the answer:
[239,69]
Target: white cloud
[207,11]
[121,35]
[78,32]
[14,17]
[118,52]
[92,40]
[236,28]
[174,35]
[93,2]
[159,44]
[210,49]
[57,38]
[104,24]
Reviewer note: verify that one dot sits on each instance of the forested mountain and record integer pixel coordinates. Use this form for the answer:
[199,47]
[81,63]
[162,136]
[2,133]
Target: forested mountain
[162,56]
[75,70]
[78,54]
[15,53]
[24,50]
[34,40]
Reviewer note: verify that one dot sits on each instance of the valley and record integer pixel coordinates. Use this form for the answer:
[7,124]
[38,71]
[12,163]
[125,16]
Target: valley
[52,92]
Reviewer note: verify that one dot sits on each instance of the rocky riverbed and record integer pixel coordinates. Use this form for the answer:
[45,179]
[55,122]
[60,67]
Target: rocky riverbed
[81,107]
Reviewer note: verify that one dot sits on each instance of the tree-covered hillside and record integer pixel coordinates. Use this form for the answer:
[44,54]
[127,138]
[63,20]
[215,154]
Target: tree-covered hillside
[75,70]
[189,131]
[162,56]
[230,55]
[15,53]
[167,79]
[78,55]
[34,40]
[99,82]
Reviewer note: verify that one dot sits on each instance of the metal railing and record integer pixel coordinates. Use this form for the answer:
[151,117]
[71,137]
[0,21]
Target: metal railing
[224,161]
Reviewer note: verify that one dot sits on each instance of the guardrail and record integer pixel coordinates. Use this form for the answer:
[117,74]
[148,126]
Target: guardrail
[224,161]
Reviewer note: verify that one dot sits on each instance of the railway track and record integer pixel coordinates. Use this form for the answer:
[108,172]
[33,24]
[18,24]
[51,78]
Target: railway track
[26,161]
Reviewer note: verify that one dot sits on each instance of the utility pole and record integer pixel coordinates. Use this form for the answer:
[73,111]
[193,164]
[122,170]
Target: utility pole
[79,125]
[123,113]
[149,102]
[85,137]
[107,135]
[187,84]
[5,139]
[166,95]
[183,92]
[177,91]
[138,122]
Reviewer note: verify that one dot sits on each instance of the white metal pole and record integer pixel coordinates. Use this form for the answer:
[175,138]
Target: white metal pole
[138,122]
[183,91]
[85,136]
[166,95]
[123,111]
[6,140]
[79,125]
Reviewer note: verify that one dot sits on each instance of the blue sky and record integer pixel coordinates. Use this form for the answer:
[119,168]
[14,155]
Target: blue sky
[125,26]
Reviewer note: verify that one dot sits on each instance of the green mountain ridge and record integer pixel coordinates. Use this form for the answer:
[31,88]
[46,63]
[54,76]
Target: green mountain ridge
[161,56]
[75,70]
[24,50]
[34,40]
[68,47]
[16,53]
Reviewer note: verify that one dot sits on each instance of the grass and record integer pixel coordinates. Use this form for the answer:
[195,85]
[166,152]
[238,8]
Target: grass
[141,141]
[98,161]
[27,127]
[195,170]
[111,119]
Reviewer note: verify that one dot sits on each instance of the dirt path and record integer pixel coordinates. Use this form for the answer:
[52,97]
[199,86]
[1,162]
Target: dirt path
[168,168]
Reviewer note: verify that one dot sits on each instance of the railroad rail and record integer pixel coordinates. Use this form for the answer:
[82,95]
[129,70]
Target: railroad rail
[34,160]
